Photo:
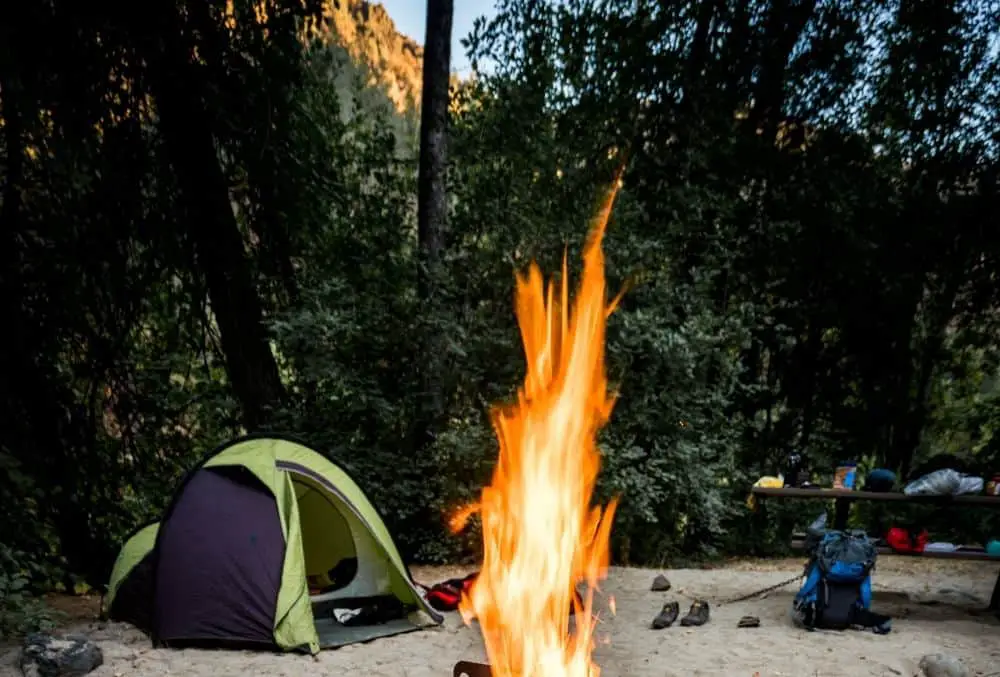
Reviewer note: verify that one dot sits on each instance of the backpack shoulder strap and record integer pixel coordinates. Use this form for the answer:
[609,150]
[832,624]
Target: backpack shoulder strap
[878,623]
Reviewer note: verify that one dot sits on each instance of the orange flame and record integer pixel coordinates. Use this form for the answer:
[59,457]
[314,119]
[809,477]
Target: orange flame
[540,535]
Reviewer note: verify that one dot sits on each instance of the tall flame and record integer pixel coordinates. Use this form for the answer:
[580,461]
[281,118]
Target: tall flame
[540,535]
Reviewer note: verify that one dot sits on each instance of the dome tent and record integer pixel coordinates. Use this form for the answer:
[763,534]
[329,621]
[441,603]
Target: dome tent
[231,561]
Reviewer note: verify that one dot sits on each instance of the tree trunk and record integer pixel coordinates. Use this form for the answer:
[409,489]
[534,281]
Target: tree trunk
[270,226]
[697,60]
[810,365]
[911,427]
[218,245]
[786,19]
[432,199]
[41,422]
[432,207]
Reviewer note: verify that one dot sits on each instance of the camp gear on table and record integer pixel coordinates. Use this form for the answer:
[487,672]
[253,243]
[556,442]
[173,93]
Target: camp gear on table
[795,472]
[845,475]
[880,480]
[944,482]
[765,481]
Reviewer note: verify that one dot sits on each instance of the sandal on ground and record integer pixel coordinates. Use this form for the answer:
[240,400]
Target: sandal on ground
[696,615]
[668,614]
[749,622]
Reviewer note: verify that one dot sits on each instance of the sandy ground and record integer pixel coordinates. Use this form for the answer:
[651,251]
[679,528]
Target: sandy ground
[929,601]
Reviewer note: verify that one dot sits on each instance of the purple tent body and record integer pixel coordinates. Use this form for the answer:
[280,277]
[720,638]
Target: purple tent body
[220,560]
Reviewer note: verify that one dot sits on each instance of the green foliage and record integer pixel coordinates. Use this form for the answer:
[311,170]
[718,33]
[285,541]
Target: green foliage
[20,611]
[804,233]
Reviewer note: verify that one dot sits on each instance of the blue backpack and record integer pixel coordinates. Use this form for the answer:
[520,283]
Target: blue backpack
[837,592]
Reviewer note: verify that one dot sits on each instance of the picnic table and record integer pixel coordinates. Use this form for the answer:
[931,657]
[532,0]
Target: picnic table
[844,498]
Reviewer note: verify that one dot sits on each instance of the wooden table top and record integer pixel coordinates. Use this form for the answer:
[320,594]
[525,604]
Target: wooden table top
[885,496]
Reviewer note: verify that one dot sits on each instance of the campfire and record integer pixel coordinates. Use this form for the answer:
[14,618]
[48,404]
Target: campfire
[541,537]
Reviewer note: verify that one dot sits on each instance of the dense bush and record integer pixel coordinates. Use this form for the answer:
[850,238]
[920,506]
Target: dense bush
[20,609]
[803,233]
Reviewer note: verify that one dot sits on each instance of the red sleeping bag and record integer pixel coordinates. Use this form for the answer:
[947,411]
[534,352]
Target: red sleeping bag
[446,596]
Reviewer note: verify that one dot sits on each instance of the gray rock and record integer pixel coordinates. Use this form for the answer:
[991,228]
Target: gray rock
[660,584]
[943,665]
[59,656]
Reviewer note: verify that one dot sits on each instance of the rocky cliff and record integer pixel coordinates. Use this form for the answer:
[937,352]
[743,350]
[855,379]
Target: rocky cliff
[394,62]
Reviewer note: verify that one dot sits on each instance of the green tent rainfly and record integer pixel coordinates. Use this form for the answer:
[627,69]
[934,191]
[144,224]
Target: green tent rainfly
[266,543]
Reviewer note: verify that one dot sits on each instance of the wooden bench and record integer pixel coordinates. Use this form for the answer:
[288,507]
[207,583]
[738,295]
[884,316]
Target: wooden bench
[799,543]
[844,497]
